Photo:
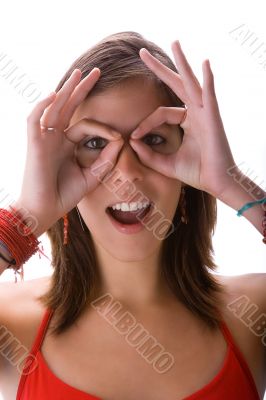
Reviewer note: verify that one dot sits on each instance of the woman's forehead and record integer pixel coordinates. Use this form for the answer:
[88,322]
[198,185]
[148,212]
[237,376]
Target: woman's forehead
[123,107]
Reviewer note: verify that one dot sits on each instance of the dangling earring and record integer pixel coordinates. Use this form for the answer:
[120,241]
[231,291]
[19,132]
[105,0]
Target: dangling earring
[80,219]
[184,217]
[65,228]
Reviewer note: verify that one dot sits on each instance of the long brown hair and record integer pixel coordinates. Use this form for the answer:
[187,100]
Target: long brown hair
[186,254]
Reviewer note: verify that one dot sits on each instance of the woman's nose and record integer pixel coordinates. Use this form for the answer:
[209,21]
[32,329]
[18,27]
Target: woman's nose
[129,164]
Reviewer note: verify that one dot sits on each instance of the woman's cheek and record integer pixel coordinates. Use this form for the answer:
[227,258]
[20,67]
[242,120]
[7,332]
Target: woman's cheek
[170,147]
[86,157]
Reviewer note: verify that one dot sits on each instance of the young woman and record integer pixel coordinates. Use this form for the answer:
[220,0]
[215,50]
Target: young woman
[124,165]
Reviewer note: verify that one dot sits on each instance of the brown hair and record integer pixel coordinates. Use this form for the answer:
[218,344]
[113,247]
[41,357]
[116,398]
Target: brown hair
[186,254]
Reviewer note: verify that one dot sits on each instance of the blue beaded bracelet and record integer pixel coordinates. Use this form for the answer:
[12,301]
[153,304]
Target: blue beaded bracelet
[248,205]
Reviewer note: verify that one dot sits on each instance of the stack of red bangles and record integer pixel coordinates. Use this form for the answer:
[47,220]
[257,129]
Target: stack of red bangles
[17,238]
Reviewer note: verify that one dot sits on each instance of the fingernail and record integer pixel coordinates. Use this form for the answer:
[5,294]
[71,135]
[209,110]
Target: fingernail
[132,142]
[143,50]
[178,43]
[116,134]
[95,69]
[134,134]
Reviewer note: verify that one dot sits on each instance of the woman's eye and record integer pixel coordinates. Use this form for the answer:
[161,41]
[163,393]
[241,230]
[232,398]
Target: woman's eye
[161,139]
[95,142]
[92,143]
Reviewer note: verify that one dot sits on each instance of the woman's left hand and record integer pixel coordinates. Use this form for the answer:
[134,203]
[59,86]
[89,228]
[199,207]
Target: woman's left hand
[204,156]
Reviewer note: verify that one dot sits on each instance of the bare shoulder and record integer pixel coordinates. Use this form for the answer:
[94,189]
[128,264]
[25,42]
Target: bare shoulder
[252,286]
[20,310]
[244,311]
[24,291]
[244,308]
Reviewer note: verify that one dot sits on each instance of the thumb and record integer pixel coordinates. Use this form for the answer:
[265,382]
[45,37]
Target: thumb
[162,163]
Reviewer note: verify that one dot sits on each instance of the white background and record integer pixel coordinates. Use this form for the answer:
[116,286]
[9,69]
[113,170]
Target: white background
[44,38]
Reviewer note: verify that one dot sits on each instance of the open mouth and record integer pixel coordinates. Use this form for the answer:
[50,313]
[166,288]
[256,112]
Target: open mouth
[128,217]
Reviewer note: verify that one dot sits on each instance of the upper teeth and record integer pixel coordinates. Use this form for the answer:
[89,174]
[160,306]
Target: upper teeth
[129,206]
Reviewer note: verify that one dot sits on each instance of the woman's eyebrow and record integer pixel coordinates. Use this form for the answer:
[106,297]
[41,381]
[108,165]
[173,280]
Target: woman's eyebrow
[168,128]
[93,124]
[165,127]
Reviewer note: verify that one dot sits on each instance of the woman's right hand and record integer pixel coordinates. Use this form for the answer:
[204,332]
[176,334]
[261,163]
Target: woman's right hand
[54,182]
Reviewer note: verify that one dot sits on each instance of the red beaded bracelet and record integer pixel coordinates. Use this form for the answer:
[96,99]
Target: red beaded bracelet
[18,238]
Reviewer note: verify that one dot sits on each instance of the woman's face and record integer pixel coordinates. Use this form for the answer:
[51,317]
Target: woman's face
[122,108]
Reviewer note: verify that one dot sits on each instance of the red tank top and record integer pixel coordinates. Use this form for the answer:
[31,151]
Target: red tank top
[233,381]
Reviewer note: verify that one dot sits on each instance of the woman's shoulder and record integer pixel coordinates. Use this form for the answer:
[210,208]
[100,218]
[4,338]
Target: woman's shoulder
[20,310]
[22,293]
[244,312]
[246,288]
[244,309]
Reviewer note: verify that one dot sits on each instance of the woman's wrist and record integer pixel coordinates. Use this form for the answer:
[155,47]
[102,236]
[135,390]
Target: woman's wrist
[5,252]
[242,191]
[6,258]
[17,238]
[28,218]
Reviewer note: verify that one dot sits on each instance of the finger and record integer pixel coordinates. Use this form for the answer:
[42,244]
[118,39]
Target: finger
[209,96]
[168,76]
[51,114]
[104,164]
[191,83]
[36,114]
[78,95]
[86,128]
[159,162]
[170,115]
